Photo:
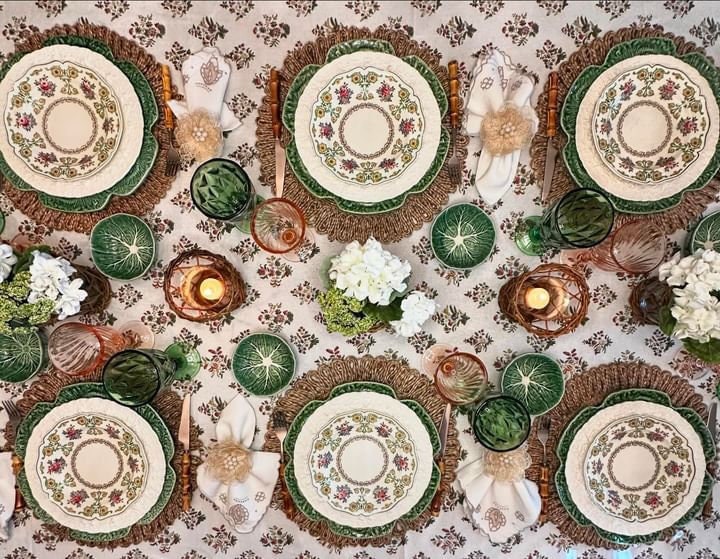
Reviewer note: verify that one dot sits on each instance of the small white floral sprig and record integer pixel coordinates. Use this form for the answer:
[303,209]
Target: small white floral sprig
[696,283]
[416,308]
[7,261]
[50,279]
[369,272]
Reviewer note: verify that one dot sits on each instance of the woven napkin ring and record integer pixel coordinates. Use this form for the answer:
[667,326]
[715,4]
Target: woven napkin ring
[198,135]
[229,462]
[505,130]
[507,466]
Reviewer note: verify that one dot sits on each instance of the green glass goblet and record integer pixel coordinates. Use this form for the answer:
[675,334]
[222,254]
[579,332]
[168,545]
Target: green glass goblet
[222,190]
[581,219]
[134,377]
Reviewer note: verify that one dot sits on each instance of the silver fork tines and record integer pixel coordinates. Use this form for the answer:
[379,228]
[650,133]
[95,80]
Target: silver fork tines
[172,161]
[543,435]
[454,162]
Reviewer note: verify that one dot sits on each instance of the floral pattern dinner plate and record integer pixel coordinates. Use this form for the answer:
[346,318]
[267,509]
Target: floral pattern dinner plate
[367,127]
[64,120]
[634,466]
[643,126]
[362,460]
[94,466]
[78,124]
[639,468]
[651,124]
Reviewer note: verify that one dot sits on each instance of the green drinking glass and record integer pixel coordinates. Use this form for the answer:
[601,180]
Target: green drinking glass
[581,219]
[134,377]
[222,190]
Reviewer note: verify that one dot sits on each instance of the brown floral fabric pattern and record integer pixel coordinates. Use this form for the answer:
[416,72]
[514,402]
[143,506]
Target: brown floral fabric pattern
[254,36]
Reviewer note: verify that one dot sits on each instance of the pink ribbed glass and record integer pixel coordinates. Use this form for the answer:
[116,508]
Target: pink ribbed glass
[634,248]
[461,378]
[78,349]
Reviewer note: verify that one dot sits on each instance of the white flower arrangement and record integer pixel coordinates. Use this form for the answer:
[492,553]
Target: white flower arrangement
[50,279]
[7,261]
[695,308]
[368,286]
[369,272]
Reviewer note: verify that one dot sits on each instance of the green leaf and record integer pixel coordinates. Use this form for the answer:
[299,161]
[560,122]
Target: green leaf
[386,313]
[707,351]
[667,321]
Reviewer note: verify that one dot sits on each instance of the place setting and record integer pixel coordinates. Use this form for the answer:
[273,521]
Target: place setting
[82,139]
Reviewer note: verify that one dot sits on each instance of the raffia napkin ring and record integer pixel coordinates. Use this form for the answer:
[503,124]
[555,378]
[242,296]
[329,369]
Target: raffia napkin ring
[229,462]
[507,466]
[198,135]
[506,130]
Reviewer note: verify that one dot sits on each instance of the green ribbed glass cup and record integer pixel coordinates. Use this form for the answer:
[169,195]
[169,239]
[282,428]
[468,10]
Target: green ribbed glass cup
[582,218]
[221,190]
[133,377]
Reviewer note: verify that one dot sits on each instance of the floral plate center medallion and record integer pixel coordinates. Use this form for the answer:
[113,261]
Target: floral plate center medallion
[639,468]
[63,120]
[92,466]
[367,125]
[363,462]
[650,124]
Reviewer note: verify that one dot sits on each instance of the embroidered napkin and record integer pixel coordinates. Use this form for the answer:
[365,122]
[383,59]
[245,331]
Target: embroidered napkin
[497,84]
[500,509]
[7,493]
[205,76]
[242,503]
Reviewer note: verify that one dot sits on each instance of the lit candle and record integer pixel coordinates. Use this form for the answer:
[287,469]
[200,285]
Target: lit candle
[537,298]
[212,289]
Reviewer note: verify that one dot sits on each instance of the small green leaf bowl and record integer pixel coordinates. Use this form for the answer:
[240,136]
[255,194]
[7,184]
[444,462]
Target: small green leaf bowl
[501,423]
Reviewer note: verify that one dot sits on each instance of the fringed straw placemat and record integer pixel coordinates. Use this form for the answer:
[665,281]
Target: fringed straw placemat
[590,389]
[155,185]
[693,203]
[168,405]
[408,384]
[324,215]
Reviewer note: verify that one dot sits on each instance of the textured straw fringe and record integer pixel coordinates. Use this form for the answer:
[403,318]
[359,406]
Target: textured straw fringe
[324,215]
[407,383]
[589,389]
[168,405]
[155,185]
[693,203]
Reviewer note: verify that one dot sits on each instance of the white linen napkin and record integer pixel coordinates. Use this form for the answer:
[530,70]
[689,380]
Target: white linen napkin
[7,493]
[497,82]
[500,509]
[242,504]
[206,75]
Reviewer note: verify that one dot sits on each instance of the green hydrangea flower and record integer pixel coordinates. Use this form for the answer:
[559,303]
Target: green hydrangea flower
[344,314]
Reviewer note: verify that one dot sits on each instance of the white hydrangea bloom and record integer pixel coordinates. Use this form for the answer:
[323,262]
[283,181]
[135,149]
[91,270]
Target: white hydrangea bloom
[7,261]
[369,272]
[417,308]
[696,307]
[50,279]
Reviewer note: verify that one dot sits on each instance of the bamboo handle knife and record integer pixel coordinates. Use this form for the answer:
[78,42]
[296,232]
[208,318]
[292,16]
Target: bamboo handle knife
[275,103]
[552,115]
[167,95]
[454,95]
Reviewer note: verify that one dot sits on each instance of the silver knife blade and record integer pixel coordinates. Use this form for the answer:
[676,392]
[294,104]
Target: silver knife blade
[712,421]
[184,429]
[549,169]
[279,168]
[444,427]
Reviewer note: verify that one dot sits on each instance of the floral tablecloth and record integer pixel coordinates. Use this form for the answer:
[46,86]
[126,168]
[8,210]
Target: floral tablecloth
[257,35]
